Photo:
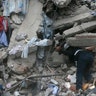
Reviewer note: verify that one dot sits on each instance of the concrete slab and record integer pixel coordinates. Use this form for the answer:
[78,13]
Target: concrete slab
[84,27]
[70,21]
[82,42]
[32,19]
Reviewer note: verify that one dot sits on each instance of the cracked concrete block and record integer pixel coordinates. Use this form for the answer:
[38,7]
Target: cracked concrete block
[82,42]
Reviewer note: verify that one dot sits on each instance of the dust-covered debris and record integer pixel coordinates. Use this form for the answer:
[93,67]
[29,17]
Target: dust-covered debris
[31,65]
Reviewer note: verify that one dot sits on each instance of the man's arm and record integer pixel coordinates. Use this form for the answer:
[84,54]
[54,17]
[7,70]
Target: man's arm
[90,48]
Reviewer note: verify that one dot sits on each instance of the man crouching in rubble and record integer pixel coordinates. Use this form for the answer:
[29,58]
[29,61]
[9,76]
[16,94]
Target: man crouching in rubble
[83,58]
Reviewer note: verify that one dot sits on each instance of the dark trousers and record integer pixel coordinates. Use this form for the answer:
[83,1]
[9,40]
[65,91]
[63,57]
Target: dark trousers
[84,63]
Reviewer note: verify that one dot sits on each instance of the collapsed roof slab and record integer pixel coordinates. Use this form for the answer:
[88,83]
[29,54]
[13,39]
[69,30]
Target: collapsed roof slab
[81,42]
[86,35]
[21,65]
[61,3]
[70,21]
[84,27]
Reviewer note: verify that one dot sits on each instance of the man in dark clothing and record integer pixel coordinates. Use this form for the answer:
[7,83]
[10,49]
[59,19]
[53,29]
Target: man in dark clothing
[82,57]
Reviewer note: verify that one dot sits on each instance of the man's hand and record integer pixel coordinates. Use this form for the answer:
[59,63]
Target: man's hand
[91,48]
[58,48]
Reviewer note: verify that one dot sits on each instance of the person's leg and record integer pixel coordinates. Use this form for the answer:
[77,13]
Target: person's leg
[80,73]
[87,72]
[81,65]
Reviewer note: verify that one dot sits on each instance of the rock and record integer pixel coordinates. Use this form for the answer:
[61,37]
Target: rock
[54,81]
[86,35]
[1,81]
[84,42]
[73,87]
[64,66]
[16,19]
[70,72]
[29,94]
[48,91]
[61,3]
[57,60]
[16,93]
[20,66]
[7,94]
[84,27]
[73,68]
[40,69]
[20,77]
[11,83]
[14,26]
[20,37]
[3,54]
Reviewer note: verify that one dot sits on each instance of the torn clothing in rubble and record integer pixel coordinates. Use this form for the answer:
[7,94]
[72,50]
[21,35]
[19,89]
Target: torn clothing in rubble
[45,28]
[84,59]
[3,24]
[3,39]
[35,42]
[15,6]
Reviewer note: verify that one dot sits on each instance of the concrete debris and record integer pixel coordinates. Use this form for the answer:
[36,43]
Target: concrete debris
[61,3]
[81,42]
[69,22]
[84,27]
[72,78]
[10,84]
[15,6]
[54,81]
[30,66]
[86,35]
[20,37]
[16,19]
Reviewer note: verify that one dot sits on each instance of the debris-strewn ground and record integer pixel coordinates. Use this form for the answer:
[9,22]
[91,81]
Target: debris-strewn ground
[70,20]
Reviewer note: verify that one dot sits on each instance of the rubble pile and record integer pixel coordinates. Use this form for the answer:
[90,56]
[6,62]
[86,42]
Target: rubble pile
[29,65]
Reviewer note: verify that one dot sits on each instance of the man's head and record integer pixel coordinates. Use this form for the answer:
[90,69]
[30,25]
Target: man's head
[39,33]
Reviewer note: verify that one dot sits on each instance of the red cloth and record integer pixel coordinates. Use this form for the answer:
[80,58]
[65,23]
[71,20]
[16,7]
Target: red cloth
[1,23]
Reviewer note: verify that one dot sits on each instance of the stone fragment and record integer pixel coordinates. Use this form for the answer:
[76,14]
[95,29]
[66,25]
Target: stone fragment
[16,19]
[54,81]
[61,3]
[82,42]
[84,27]
[70,21]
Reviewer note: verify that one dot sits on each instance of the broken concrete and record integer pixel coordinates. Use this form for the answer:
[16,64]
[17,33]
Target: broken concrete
[21,66]
[23,70]
[70,21]
[15,18]
[84,27]
[61,3]
[83,42]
